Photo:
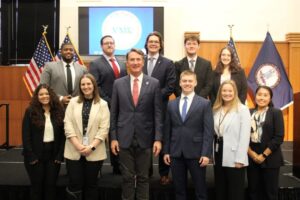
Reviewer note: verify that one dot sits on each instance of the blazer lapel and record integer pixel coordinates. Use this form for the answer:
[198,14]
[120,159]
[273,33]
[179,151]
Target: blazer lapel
[144,87]
[177,110]
[61,69]
[78,112]
[127,89]
[192,108]
[156,67]
[229,117]
[107,65]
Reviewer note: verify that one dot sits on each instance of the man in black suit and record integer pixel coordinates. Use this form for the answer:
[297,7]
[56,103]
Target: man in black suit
[135,125]
[163,69]
[200,66]
[188,137]
[106,69]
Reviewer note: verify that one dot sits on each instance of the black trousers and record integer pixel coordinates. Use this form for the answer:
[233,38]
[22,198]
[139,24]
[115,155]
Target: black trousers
[43,175]
[179,168]
[83,176]
[114,159]
[262,183]
[134,165]
[229,181]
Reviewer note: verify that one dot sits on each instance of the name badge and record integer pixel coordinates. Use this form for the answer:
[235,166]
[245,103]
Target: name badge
[85,140]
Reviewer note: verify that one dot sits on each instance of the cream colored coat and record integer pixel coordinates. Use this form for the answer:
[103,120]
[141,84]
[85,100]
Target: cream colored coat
[98,127]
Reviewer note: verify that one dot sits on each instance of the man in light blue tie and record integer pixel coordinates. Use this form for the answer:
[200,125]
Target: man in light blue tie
[188,137]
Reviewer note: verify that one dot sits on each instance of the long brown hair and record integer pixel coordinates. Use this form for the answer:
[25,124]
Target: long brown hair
[233,65]
[219,100]
[37,111]
[96,96]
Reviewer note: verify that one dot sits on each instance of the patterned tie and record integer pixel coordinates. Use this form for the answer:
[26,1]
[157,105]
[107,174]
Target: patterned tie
[192,66]
[150,66]
[135,91]
[184,109]
[69,80]
[115,68]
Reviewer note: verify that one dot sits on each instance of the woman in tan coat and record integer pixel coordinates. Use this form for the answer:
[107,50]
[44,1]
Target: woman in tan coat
[86,128]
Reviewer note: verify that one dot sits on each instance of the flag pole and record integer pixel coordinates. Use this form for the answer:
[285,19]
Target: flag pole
[230,29]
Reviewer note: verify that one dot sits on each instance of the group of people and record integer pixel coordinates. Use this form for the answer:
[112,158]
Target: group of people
[73,111]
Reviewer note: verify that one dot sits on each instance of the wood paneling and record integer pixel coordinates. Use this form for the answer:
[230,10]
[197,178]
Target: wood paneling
[14,92]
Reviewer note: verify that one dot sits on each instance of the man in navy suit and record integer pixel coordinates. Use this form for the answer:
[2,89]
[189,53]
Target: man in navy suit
[188,137]
[136,125]
[106,69]
[163,69]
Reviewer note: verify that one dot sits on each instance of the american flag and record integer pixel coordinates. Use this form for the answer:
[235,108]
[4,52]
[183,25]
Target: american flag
[232,45]
[41,55]
[76,55]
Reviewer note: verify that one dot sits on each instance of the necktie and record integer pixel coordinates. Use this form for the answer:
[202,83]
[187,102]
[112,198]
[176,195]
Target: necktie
[192,66]
[69,80]
[135,91]
[115,67]
[184,109]
[150,66]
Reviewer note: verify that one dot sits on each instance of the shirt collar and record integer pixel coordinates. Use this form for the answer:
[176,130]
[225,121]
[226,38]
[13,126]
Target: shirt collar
[192,58]
[154,56]
[140,77]
[190,96]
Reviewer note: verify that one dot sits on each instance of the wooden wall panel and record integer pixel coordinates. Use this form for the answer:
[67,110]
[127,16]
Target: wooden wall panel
[13,90]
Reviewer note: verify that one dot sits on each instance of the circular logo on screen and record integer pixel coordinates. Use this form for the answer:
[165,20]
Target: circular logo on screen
[125,27]
[268,74]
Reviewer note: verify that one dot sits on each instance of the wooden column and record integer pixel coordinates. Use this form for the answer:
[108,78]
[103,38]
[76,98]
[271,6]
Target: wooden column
[294,70]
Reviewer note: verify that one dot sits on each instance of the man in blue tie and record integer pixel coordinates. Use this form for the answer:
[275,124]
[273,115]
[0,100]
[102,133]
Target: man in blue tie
[188,137]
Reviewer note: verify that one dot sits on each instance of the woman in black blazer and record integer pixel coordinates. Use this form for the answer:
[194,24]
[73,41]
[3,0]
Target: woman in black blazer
[228,69]
[43,142]
[265,156]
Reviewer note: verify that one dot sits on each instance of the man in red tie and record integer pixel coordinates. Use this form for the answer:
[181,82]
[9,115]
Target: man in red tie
[136,125]
[106,69]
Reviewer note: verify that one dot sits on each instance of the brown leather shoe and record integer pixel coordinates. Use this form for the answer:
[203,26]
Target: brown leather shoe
[165,180]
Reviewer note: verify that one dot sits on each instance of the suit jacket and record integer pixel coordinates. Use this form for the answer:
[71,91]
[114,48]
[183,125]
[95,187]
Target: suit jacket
[33,136]
[238,77]
[98,127]
[203,71]
[144,120]
[105,77]
[54,76]
[193,137]
[272,137]
[164,71]
[236,136]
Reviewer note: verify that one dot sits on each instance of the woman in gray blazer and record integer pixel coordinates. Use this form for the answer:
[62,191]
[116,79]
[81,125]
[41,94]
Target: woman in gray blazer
[86,128]
[265,156]
[232,122]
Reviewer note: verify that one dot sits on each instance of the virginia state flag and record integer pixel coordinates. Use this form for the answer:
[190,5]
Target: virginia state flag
[269,70]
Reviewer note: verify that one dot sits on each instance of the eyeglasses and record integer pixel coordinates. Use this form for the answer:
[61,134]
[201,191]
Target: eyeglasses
[108,43]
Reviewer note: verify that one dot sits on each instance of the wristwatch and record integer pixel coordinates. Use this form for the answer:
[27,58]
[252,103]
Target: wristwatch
[92,148]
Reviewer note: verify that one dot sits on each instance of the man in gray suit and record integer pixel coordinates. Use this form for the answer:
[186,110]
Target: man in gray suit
[106,69]
[63,76]
[188,137]
[136,125]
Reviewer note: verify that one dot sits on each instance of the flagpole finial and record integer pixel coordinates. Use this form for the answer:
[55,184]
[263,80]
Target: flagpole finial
[230,28]
[268,27]
[45,28]
[68,27]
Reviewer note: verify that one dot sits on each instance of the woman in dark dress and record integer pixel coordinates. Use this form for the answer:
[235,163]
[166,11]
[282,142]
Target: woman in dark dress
[43,142]
[228,69]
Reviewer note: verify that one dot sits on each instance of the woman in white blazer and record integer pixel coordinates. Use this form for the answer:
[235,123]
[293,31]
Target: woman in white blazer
[232,122]
[86,128]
